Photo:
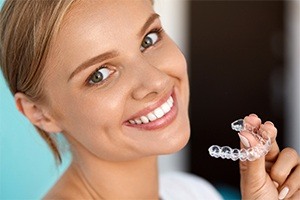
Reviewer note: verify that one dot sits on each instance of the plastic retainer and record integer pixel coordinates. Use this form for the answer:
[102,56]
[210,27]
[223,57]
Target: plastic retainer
[250,154]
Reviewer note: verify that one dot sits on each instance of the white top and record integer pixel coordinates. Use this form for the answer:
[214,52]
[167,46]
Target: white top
[185,186]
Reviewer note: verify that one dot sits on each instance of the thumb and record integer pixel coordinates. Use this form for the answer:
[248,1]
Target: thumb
[255,180]
[252,173]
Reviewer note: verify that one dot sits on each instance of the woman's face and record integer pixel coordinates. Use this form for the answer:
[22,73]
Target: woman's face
[110,70]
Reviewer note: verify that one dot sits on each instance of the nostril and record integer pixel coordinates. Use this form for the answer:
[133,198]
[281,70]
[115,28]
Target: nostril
[150,81]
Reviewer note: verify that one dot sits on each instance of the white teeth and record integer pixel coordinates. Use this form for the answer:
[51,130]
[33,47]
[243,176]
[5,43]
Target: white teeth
[138,121]
[156,114]
[170,101]
[151,117]
[165,107]
[144,119]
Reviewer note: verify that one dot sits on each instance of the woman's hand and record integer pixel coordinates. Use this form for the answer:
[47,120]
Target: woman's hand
[274,176]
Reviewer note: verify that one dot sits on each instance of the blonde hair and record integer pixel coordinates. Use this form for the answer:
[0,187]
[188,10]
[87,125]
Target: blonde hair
[27,27]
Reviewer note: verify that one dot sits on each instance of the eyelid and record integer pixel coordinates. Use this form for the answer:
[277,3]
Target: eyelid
[159,32]
[155,30]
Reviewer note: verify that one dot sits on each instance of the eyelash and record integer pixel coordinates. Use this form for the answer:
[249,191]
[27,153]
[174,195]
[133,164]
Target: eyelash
[159,32]
[87,82]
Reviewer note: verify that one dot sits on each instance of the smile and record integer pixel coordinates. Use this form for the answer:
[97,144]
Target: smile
[155,114]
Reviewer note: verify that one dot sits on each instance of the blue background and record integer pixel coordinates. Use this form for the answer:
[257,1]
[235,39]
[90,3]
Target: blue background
[27,167]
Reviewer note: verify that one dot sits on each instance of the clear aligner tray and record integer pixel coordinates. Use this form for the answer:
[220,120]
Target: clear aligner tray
[250,154]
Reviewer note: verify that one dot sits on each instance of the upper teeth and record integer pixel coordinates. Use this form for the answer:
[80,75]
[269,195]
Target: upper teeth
[155,114]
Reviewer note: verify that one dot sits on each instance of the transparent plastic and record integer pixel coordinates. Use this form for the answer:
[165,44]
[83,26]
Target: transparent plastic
[250,154]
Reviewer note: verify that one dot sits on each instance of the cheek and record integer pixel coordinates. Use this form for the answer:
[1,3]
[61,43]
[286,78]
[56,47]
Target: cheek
[175,65]
[86,112]
[92,121]
[171,60]
[96,110]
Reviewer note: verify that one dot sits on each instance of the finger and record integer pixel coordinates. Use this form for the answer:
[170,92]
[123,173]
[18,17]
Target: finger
[292,184]
[247,139]
[269,130]
[252,121]
[252,172]
[287,160]
[296,196]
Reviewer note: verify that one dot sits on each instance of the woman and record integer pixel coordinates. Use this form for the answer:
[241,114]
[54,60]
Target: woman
[106,75]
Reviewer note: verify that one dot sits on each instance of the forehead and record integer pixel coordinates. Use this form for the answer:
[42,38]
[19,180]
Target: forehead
[105,13]
[91,27]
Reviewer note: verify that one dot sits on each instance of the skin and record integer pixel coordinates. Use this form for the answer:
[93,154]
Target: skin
[106,150]
[94,118]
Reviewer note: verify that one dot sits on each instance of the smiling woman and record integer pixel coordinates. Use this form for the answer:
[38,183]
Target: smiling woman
[119,95]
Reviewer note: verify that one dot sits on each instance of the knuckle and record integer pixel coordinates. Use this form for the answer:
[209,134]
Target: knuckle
[278,175]
[290,153]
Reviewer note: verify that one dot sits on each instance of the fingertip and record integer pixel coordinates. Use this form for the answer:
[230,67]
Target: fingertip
[253,115]
[283,193]
[253,122]
[276,184]
[269,122]
[244,141]
[269,130]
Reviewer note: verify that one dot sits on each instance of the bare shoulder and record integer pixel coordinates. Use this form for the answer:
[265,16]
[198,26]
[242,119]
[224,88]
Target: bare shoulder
[67,187]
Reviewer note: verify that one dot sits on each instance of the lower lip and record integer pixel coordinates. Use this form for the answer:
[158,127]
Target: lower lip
[162,122]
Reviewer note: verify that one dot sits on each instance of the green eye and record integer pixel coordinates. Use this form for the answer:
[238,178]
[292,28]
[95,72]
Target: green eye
[99,75]
[149,40]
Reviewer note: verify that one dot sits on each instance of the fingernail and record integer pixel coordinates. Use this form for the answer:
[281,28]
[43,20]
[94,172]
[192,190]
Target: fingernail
[276,184]
[253,115]
[244,140]
[283,193]
[269,122]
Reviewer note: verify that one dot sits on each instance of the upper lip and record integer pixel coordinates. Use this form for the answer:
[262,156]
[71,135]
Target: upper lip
[151,107]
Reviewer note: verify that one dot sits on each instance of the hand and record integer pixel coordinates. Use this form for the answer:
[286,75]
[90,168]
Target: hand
[274,176]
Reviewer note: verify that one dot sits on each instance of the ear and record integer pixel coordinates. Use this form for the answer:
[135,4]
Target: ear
[36,114]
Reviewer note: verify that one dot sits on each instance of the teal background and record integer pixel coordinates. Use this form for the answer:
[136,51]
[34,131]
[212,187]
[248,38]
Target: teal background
[27,167]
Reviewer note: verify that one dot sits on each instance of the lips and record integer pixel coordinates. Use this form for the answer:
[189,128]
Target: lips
[154,115]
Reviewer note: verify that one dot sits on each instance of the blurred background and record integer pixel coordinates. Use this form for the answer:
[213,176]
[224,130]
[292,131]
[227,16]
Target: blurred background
[243,58]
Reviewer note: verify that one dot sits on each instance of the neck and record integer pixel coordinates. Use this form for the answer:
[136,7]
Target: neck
[137,179]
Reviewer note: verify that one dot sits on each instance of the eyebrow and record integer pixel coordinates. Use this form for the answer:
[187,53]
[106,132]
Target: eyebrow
[149,21]
[93,61]
[111,54]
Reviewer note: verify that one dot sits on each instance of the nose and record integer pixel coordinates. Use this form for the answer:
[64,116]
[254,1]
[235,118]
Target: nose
[151,81]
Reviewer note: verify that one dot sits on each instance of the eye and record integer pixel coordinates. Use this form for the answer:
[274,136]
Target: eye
[99,75]
[149,40]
